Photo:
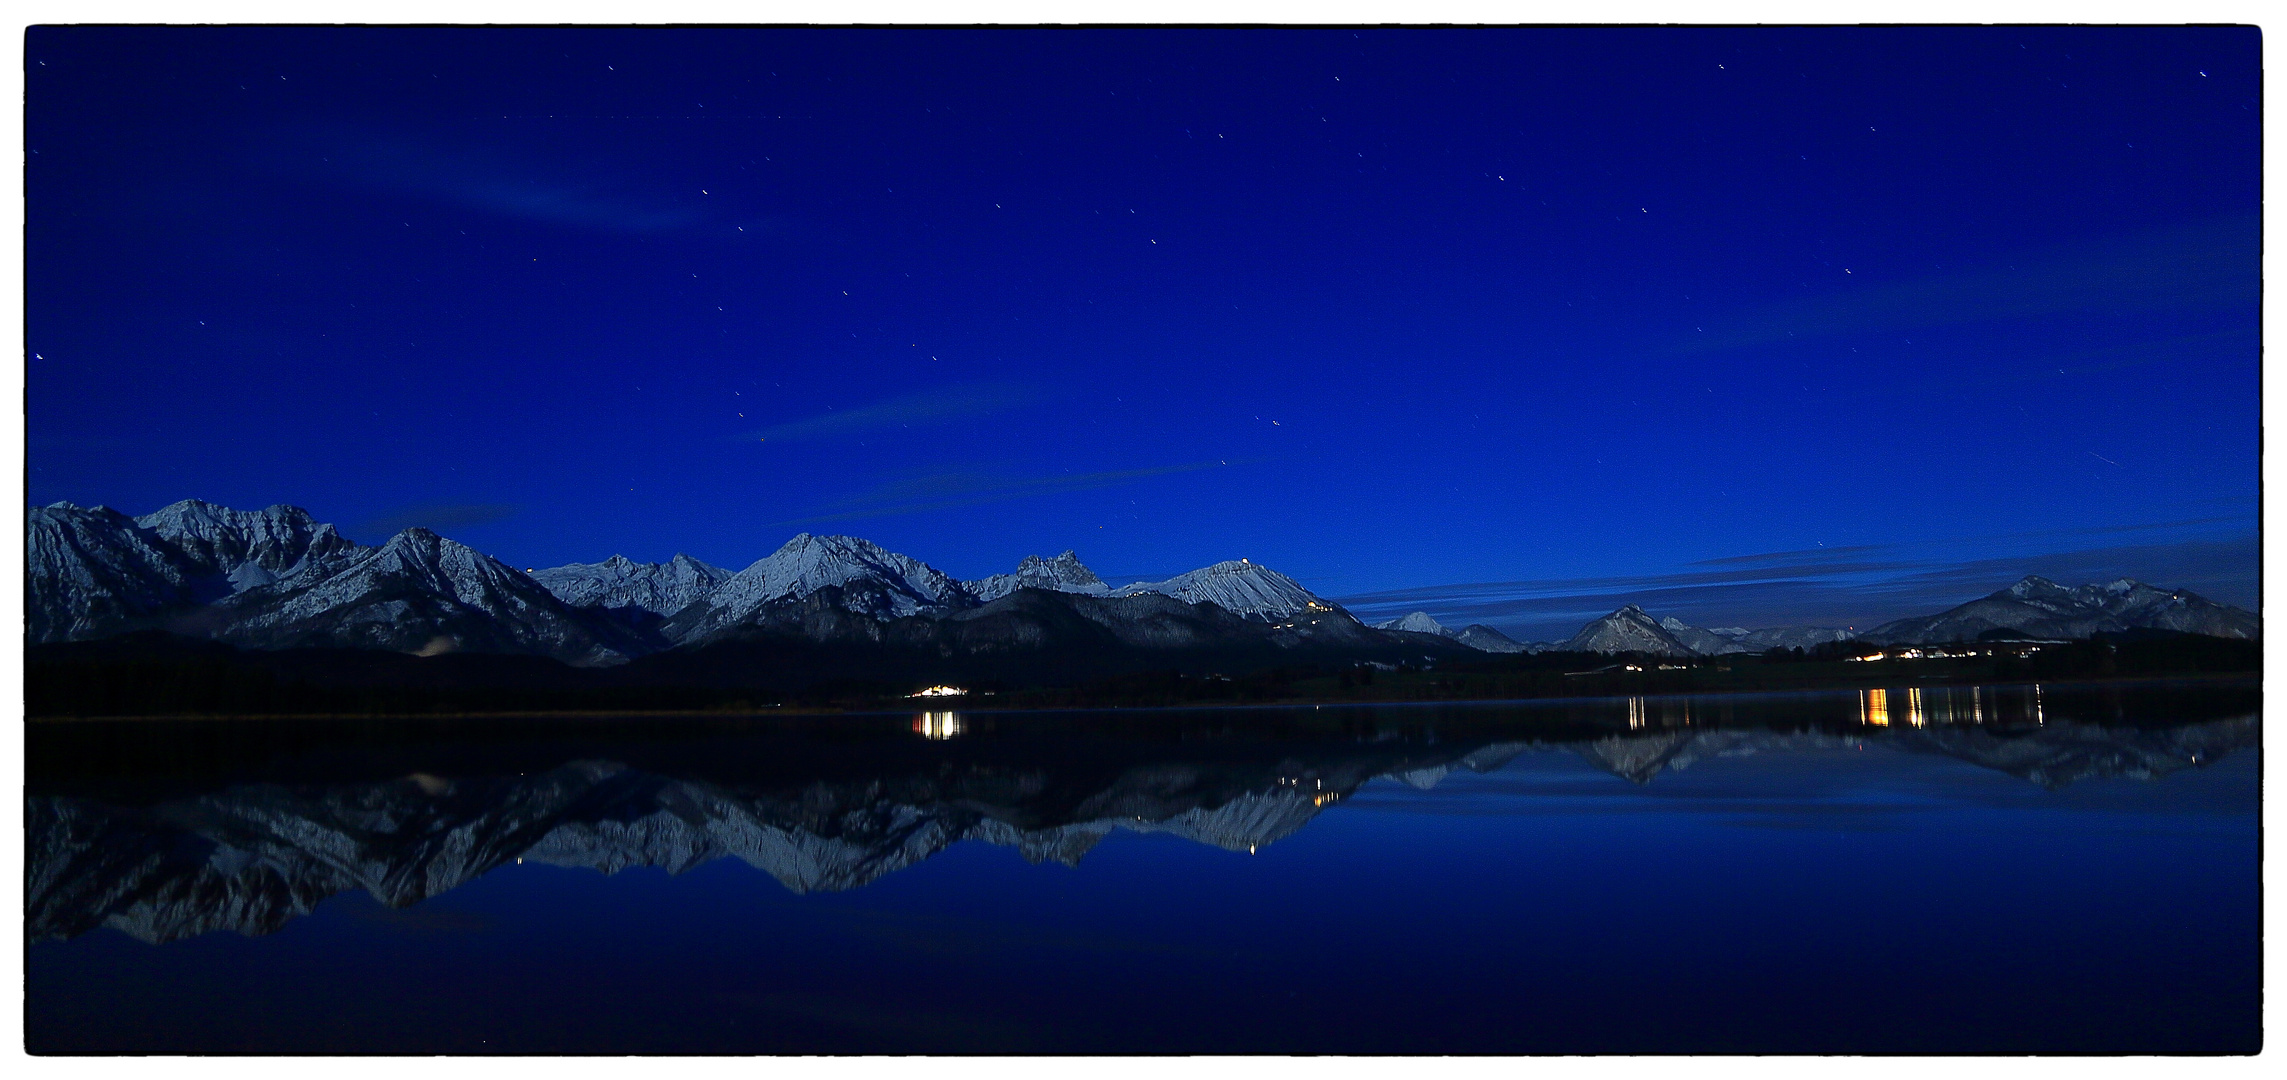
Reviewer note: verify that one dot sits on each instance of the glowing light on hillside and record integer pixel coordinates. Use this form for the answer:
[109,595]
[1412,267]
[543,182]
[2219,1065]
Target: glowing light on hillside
[938,691]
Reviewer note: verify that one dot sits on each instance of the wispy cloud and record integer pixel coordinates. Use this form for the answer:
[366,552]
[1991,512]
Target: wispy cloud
[921,407]
[585,195]
[2205,266]
[1857,586]
[437,517]
[946,490]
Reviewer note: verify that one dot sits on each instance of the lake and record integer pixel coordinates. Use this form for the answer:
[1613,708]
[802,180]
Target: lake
[2053,869]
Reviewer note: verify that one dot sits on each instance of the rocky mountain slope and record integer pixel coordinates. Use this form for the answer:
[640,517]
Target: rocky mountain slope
[1064,573]
[417,593]
[622,584]
[277,578]
[1627,630]
[1476,635]
[2039,608]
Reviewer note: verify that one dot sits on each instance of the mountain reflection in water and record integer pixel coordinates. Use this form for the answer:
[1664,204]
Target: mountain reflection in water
[165,831]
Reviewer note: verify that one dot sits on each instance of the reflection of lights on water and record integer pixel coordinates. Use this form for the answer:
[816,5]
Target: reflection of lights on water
[1914,713]
[1635,712]
[1874,707]
[2037,717]
[938,725]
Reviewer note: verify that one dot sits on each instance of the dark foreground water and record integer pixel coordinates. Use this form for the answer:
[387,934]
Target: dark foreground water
[2000,871]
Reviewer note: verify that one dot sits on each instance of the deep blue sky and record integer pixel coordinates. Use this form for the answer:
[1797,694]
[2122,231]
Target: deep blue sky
[1510,325]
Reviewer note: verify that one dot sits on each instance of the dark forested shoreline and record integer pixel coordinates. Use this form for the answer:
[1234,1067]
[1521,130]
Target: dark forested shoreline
[163,675]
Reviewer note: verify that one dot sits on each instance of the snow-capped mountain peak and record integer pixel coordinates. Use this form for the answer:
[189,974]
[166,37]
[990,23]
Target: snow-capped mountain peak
[1064,573]
[1244,588]
[2038,607]
[92,570]
[419,592]
[876,582]
[1627,630]
[248,548]
[1418,622]
[620,582]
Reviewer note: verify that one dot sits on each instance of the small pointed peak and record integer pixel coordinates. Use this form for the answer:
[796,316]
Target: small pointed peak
[1069,554]
[1631,609]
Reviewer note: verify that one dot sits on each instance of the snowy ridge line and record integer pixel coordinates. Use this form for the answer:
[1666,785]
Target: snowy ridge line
[278,578]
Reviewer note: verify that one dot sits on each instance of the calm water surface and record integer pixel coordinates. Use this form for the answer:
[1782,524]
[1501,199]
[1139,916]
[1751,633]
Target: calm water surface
[1998,871]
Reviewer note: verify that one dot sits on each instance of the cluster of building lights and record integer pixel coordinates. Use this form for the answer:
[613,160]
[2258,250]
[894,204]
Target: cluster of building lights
[938,691]
[1945,654]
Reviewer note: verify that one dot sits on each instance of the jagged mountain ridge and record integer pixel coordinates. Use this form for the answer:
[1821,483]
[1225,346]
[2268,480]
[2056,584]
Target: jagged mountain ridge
[2038,607]
[1628,630]
[1244,588]
[418,592]
[277,578]
[246,549]
[1477,636]
[876,582]
[263,579]
[621,584]
[1064,573]
[94,571]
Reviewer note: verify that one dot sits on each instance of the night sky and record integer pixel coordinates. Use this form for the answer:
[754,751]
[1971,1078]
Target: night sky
[1749,326]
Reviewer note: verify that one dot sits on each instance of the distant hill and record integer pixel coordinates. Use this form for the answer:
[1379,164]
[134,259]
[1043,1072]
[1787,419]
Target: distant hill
[2039,608]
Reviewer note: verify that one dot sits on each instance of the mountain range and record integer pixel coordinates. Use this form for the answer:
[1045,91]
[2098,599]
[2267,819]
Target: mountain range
[2039,608]
[278,579]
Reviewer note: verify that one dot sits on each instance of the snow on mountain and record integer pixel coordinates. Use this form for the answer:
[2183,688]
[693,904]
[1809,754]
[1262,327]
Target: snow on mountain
[875,582]
[2038,607]
[1627,630]
[1484,638]
[1703,642]
[1785,637]
[1418,622]
[417,593]
[1247,589]
[1476,635]
[1064,573]
[246,548]
[619,583]
[93,571]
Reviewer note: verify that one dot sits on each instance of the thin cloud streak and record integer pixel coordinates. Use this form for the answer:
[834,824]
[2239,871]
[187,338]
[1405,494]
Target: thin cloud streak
[490,181]
[437,517]
[922,407]
[943,491]
[2209,265]
[1858,594]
